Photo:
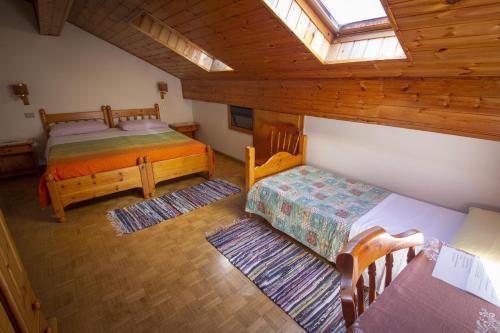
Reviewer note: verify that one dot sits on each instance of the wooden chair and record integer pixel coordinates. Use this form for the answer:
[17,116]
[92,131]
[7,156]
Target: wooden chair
[282,138]
[361,253]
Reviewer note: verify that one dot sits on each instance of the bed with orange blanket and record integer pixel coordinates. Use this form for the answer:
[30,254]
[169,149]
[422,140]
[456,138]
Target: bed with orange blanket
[84,166]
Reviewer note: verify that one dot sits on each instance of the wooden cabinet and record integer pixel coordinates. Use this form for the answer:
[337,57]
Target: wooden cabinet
[17,158]
[188,128]
[5,323]
[20,310]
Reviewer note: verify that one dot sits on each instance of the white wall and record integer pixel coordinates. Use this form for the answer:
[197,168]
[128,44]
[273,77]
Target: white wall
[215,132]
[73,72]
[448,170]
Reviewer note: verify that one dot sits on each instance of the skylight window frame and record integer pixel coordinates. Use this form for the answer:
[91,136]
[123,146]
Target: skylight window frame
[338,30]
[376,45]
[176,42]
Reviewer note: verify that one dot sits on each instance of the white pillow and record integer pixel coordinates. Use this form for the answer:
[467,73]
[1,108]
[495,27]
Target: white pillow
[141,124]
[77,127]
[480,234]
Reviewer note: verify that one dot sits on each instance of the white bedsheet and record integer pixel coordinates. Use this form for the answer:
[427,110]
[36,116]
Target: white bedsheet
[397,214]
[105,134]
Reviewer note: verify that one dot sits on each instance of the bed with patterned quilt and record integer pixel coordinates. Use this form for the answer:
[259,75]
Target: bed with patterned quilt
[323,210]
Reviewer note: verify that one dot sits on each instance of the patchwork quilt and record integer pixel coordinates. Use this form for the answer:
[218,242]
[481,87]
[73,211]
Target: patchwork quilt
[314,206]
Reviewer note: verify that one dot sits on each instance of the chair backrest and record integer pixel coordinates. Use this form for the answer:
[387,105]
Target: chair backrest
[361,253]
[284,137]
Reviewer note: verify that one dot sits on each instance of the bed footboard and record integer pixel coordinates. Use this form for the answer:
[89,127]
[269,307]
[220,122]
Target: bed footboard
[278,162]
[68,191]
[144,175]
[182,166]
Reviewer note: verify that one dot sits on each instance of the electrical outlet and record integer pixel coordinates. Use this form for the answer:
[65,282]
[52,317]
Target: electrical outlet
[29,115]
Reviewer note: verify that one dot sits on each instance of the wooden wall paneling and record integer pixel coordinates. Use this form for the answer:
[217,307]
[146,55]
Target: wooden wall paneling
[468,107]
[52,15]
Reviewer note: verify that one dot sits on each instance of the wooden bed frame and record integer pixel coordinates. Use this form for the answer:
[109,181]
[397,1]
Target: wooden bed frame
[166,169]
[52,119]
[277,163]
[145,174]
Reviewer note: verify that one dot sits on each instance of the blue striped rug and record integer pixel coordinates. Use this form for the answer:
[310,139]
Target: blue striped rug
[153,211]
[304,286]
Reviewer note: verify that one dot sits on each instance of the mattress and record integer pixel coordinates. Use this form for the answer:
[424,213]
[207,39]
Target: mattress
[100,135]
[397,214]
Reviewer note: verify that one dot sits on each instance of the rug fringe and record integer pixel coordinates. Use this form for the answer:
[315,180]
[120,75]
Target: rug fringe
[114,223]
[238,220]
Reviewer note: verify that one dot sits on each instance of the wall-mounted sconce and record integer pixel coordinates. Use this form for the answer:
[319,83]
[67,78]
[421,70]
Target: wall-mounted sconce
[163,88]
[21,90]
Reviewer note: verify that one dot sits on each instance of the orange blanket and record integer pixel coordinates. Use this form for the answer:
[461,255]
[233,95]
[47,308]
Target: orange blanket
[70,160]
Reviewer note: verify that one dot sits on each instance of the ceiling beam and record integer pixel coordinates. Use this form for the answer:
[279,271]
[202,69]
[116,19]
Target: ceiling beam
[52,15]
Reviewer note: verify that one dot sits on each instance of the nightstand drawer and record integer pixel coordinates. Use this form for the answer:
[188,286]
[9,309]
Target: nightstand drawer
[186,128]
[15,150]
[192,128]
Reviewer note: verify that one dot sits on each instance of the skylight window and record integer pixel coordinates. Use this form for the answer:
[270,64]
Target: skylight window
[178,43]
[353,11]
[370,39]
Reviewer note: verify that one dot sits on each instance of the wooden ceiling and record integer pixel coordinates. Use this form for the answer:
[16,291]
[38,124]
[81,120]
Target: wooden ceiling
[461,39]
[450,84]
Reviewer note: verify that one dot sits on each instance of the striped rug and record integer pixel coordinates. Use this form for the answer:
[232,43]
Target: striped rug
[153,211]
[305,287]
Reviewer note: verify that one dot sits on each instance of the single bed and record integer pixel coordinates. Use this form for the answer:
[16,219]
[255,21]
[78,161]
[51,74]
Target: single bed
[85,166]
[323,210]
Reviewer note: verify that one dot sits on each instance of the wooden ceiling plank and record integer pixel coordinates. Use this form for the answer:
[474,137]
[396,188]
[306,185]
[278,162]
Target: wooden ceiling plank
[451,17]
[412,8]
[229,17]
[100,16]
[174,8]
[445,40]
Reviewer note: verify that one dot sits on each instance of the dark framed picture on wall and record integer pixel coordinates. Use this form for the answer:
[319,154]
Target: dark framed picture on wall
[240,118]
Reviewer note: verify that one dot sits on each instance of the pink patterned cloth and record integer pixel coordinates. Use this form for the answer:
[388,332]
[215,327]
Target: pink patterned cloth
[142,124]
[417,302]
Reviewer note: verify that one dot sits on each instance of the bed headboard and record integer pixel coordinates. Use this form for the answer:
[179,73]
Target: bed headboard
[52,119]
[279,162]
[115,116]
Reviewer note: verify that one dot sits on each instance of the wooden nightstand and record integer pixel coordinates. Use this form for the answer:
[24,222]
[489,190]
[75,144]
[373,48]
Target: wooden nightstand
[188,128]
[17,158]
